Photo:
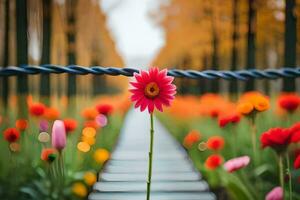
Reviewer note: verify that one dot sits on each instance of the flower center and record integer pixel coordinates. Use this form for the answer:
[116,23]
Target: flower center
[151,90]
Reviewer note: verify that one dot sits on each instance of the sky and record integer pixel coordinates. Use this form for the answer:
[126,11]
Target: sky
[137,37]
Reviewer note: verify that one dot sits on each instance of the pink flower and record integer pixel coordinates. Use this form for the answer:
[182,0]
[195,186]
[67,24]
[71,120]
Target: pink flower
[59,139]
[101,120]
[275,194]
[44,125]
[235,164]
[152,89]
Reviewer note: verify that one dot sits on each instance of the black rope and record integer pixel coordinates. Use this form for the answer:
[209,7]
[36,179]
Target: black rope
[114,71]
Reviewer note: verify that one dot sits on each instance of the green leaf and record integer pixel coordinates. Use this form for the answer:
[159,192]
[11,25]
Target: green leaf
[237,189]
[31,193]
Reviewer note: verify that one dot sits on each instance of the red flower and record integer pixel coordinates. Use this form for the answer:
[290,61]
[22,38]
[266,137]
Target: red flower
[297,162]
[224,120]
[213,161]
[11,135]
[21,124]
[215,143]
[152,89]
[37,109]
[48,155]
[295,131]
[70,125]
[191,138]
[276,138]
[104,109]
[214,113]
[289,102]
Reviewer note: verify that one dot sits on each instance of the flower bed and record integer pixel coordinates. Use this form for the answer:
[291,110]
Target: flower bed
[56,152]
[235,145]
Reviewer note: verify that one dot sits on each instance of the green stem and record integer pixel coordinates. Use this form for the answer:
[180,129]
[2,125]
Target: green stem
[288,171]
[280,163]
[253,137]
[150,157]
[234,141]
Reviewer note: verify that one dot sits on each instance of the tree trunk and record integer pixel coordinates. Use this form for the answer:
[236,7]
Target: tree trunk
[71,6]
[22,55]
[290,42]
[5,85]
[251,41]
[214,84]
[22,43]
[233,87]
[46,48]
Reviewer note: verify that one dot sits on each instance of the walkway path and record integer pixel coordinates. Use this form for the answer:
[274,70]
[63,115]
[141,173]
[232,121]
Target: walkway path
[124,176]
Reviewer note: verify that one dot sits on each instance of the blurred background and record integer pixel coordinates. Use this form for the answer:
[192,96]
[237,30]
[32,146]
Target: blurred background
[200,35]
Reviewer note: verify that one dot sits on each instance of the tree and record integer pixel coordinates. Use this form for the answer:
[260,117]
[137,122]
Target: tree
[290,42]
[22,53]
[234,49]
[251,41]
[46,47]
[5,85]
[71,35]
[22,43]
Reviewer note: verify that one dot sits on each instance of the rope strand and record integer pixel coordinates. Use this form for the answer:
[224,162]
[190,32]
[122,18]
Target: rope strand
[242,75]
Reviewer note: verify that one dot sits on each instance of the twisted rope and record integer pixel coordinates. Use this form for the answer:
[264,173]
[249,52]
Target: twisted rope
[242,75]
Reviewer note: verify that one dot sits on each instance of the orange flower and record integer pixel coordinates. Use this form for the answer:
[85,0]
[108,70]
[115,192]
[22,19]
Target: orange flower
[191,138]
[245,108]
[92,124]
[89,113]
[70,125]
[51,114]
[215,143]
[251,101]
[21,124]
[37,109]
[261,103]
[213,161]
[48,155]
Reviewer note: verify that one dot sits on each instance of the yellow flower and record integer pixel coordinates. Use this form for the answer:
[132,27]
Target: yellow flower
[89,140]
[79,189]
[83,147]
[90,178]
[89,132]
[245,108]
[101,155]
[261,103]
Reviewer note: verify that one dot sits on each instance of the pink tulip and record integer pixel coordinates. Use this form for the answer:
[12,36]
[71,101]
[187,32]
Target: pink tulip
[59,135]
[275,194]
[236,163]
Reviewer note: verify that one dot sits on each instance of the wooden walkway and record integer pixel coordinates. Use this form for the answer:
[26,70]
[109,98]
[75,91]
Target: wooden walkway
[124,176]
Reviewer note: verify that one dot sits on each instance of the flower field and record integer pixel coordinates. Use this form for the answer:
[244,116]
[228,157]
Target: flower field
[56,152]
[246,148]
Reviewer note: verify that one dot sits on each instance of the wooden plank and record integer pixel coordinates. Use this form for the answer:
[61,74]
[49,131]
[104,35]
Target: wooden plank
[168,186]
[157,176]
[131,169]
[154,196]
